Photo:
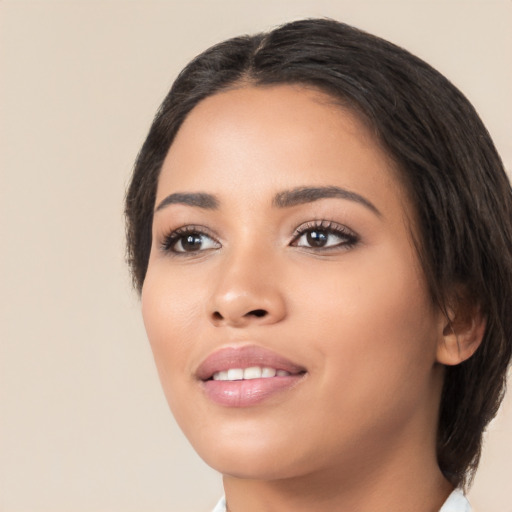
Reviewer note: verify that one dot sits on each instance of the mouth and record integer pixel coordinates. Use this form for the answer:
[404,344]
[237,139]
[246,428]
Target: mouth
[247,375]
[253,372]
[246,362]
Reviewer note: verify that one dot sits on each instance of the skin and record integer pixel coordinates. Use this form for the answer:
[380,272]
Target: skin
[358,431]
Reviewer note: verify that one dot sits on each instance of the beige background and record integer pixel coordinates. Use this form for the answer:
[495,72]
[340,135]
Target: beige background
[83,423]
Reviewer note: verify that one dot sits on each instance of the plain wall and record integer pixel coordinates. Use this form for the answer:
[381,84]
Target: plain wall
[83,423]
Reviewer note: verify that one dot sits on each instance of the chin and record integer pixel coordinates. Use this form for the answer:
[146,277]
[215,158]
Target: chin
[255,461]
[260,467]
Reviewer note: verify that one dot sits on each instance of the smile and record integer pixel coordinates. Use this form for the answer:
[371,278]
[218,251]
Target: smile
[253,372]
[247,375]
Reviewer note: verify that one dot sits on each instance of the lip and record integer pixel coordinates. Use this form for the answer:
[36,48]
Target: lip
[246,393]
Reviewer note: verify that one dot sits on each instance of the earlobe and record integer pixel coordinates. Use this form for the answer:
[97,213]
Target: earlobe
[462,334]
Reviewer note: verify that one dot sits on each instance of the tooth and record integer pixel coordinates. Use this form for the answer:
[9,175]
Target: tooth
[268,372]
[254,372]
[235,374]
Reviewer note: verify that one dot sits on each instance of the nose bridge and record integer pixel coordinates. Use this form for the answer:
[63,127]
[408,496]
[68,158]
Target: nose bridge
[247,288]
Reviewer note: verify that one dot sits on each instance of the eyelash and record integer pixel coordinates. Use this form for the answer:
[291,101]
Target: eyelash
[171,240]
[328,228]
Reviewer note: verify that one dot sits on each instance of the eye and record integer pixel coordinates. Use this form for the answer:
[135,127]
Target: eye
[189,240]
[324,235]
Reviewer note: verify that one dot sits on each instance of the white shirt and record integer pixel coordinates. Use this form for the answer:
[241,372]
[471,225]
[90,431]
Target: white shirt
[456,502]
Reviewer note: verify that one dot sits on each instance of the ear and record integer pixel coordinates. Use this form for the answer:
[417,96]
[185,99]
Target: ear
[463,331]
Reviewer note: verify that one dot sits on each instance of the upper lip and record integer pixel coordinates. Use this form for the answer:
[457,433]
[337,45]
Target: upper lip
[244,357]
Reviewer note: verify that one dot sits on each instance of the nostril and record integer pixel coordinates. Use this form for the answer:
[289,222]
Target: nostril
[218,318]
[258,313]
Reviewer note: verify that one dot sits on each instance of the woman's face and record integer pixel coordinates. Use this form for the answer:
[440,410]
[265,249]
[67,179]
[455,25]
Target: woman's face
[282,261]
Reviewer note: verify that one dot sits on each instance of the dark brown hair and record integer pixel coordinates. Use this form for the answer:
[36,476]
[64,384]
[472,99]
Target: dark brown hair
[445,157]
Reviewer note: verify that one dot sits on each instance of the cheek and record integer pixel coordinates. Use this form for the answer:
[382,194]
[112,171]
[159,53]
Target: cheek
[171,309]
[371,320]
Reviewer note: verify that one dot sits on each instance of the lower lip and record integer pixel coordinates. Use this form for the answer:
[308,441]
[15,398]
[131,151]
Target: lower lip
[246,393]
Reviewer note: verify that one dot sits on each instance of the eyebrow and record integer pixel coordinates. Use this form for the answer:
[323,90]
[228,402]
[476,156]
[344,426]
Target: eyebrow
[285,199]
[197,199]
[304,195]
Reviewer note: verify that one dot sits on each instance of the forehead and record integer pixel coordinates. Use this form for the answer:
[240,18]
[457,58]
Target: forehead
[254,140]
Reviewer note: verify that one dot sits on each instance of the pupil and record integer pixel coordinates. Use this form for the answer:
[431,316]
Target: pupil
[317,238]
[191,242]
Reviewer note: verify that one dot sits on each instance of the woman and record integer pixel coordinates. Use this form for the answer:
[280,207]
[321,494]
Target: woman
[321,231]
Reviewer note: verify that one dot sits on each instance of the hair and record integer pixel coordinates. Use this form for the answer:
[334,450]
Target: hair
[444,156]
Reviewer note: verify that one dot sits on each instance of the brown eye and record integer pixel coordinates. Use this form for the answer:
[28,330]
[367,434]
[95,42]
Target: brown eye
[317,238]
[189,243]
[193,242]
[324,236]
[186,241]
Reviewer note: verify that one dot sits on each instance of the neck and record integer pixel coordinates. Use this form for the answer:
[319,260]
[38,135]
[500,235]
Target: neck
[405,490]
[400,476]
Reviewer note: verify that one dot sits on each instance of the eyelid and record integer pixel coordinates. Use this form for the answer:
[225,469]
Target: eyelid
[330,226]
[171,237]
[325,225]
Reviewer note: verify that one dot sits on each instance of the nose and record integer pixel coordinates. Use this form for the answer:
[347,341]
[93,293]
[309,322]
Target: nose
[247,291]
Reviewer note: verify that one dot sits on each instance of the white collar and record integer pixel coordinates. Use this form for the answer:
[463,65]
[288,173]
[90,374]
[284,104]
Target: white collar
[456,502]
